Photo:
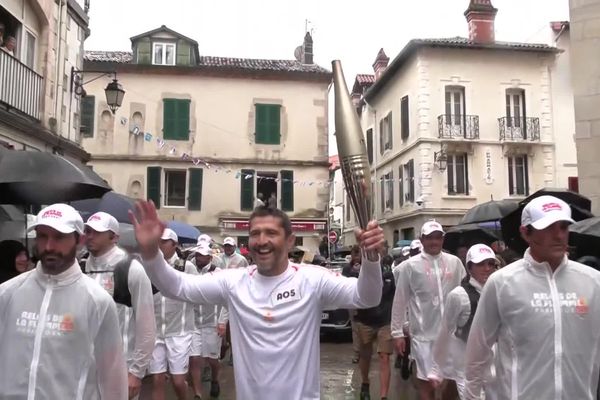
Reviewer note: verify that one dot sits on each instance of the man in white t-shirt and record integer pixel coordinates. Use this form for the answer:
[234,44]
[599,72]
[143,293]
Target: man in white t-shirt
[274,306]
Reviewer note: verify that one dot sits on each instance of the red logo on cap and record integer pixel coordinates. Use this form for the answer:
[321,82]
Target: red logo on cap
[485,250]
[551,207]
[95,218]
[52,214]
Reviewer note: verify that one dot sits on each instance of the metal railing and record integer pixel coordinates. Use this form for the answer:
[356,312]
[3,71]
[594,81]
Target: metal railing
[519,129]
[458,126]
[20,86]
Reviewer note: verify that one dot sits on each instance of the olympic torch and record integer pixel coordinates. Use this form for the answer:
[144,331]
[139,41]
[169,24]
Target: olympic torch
[352,152]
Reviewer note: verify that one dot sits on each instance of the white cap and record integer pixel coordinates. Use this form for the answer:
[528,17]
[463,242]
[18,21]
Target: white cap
[61,217]
[102,222]
[204,238]
[169,234]
[480,252]
[405,251]
[229,240]
[416,244]
[543,211]
[431,226]
[203,249]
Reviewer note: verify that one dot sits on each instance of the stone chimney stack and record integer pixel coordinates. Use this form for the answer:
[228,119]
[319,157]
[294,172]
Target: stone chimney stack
[308,49]
[480,16]
[380,64]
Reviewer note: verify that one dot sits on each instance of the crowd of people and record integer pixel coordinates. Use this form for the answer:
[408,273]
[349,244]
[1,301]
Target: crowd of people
[472,328]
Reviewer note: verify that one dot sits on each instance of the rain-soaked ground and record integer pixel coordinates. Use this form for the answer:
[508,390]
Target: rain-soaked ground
[340,379]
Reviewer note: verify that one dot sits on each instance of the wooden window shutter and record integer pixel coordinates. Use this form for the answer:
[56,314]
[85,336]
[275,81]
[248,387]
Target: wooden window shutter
[88,111]
[411,177]
[195,188]
[183,53]
[247,190]
[370,145]
[401,180]
[404,115]
[381,137]
[183,119]
[144,52]
[287,190]
[153,180]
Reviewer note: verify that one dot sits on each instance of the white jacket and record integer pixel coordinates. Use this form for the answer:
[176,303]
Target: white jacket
[174,317]
[274,320]
[138,327]
[547,327]
[236,260]
[209,315]
[76,353]
[424,281]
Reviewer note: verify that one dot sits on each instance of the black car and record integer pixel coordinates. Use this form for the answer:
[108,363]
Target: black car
[336,321]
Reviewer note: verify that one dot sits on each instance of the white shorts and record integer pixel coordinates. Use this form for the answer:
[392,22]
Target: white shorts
[171,354]
[206,342]
[421,353]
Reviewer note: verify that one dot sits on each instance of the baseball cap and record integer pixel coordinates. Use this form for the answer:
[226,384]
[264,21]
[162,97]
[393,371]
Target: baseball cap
[203,249]
[431,226]
[204,238]
[169,234]
[480,252]
[405,251]
[543,211]
[229,240]
[102,222]
[416,244]
[61,217]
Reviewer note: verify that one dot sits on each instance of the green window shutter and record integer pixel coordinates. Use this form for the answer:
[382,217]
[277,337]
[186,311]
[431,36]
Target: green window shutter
[88,110]
[267,126]
[144,54]
[195,188]
[247,190]
[287,190]
[153,177]
[183,53]
[176,119]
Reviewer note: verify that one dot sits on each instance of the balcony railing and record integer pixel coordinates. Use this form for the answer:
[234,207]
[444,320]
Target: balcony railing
[458,126]
[20,86]
[524,129]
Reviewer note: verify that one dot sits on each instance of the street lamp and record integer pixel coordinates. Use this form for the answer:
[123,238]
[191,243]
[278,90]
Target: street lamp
[441,159]
[114,91]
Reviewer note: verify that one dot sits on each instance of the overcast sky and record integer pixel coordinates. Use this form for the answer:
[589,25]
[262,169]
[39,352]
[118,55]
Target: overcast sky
[350,30]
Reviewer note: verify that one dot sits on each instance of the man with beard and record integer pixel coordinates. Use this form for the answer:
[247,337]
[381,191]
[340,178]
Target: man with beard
[210,322]
[424,282]
[230,258]
[274,306]
[59,329]
[136,314]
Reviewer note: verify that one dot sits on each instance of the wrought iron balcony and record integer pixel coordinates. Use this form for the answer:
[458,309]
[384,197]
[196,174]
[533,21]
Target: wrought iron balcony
[458,126]
[20,86]
[524,129]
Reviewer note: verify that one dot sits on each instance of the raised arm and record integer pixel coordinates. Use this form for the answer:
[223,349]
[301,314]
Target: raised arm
[483,335]
[342,292]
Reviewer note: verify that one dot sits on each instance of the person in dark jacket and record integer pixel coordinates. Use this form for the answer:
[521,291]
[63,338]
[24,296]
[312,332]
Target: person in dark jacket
[14,259]
[373,326]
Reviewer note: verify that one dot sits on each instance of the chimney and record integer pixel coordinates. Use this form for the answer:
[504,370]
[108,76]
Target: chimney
[480,16]
[308,49]
[380,64]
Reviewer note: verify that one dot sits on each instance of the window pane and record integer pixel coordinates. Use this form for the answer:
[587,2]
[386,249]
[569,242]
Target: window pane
[448,103]
[30,50]
[158,54]
[460,174]
[175,187]
[450,169]
[511,179]
[520,172]
[170,54]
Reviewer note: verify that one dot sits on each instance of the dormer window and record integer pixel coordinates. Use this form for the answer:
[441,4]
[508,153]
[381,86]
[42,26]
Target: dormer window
[163,53]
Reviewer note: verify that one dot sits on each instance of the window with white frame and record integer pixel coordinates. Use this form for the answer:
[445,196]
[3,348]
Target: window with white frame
[175,188]
[518,179]
[458,174]
[385,133]
[389,190]
[29,49]
[408,181]
[163,53]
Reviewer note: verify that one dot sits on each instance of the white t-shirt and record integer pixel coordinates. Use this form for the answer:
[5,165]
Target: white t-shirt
[275,321]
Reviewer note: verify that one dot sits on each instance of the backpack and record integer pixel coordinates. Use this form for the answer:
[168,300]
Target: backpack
[462,332]
[121,293]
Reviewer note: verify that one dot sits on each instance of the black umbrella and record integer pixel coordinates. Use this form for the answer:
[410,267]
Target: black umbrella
[585,236]
[468,235]
[35,178]
[489,211]
[580,210]
[113,203]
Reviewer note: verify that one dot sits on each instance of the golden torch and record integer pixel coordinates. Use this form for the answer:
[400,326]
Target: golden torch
[352,152]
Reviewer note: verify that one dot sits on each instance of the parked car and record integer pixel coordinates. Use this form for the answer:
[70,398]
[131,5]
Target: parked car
[336,321]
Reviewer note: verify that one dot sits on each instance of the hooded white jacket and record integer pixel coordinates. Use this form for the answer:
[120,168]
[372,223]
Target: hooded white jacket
[138,327]
[209,315]
[174,317]
[547,327]
[75,354]
[423,283]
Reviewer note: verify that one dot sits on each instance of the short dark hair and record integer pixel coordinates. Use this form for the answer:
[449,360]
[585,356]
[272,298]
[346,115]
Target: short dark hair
[266,211]
[355,249]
